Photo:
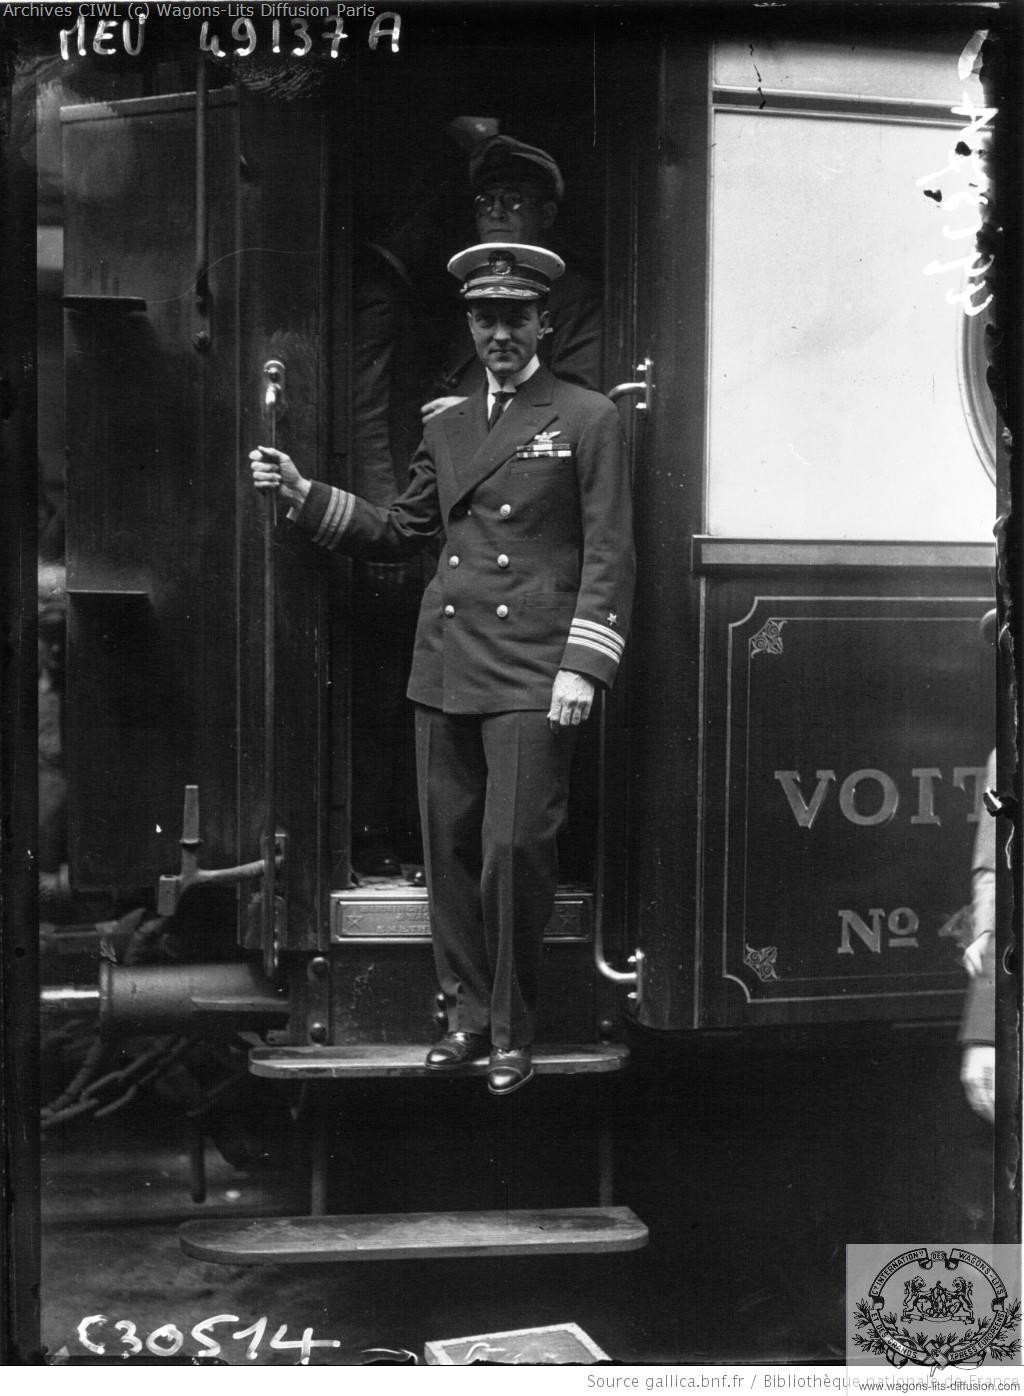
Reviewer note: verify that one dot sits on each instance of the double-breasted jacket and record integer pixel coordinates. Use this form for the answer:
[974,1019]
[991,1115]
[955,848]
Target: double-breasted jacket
[536,570]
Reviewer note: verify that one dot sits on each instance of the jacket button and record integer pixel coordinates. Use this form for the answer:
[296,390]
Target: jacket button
[503,559]
[449,610]
[501,612]
[453,561]
[505,510]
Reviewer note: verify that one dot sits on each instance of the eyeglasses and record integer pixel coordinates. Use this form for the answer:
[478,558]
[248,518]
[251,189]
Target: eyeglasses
[511,200]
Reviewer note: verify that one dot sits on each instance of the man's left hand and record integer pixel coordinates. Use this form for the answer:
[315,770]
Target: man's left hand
[572,697]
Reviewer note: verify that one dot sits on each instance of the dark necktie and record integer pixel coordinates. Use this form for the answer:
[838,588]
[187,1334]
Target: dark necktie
[502,398]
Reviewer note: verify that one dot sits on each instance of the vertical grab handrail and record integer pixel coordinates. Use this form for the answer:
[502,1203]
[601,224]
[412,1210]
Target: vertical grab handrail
[616,976]
[273,404]
[202,249]
[643,388]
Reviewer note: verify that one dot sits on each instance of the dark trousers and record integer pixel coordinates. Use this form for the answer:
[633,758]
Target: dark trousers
[493,791]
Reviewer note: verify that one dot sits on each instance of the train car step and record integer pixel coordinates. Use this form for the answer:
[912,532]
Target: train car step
[407,1059]
[404,1236]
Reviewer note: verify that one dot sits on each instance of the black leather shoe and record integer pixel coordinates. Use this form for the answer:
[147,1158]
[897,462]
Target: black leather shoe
[456,1049]
[510,1068]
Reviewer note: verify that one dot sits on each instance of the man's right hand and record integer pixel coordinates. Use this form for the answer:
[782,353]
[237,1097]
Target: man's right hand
[438,405]
[274,470]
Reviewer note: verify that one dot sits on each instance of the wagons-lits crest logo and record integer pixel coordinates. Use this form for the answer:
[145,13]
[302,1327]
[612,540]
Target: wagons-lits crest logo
[933,1305]
[969,1319]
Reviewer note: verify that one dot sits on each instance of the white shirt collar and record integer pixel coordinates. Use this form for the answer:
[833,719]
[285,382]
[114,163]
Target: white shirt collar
[516,381]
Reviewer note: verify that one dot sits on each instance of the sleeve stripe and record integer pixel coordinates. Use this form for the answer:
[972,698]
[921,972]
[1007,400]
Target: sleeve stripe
[595,628]
[606,650]
[324,527]
[336,517]
[587,631]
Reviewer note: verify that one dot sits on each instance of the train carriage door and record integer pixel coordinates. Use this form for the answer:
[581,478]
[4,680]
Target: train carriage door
[195,261]
[813,703]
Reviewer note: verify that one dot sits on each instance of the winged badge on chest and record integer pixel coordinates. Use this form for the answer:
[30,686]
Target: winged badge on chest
[544,444]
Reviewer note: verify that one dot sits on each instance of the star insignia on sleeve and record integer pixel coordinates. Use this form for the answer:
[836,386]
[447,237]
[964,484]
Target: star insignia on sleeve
[612,618]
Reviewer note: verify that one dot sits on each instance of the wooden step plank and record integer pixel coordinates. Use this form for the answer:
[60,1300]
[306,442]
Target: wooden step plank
[407,1059]
[405,1236]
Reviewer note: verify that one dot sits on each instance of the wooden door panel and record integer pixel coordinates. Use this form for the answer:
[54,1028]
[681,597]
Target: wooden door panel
[165,533]
[151,547]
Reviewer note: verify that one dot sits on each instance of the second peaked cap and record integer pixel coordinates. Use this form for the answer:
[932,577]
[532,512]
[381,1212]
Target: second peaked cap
[502,158]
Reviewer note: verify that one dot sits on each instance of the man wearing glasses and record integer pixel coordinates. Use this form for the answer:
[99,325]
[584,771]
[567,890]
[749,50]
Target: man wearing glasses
[517,190]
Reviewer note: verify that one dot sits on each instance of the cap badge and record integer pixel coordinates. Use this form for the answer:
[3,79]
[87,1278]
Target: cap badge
[501,263]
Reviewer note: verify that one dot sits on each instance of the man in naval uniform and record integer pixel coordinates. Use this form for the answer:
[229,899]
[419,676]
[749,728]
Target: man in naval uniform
[526,484]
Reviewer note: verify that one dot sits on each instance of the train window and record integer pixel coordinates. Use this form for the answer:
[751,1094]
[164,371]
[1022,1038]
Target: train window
[834,342]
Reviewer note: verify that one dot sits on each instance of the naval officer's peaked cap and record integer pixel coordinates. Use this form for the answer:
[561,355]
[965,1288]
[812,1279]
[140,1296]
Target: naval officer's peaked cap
[501,159]
[505,271]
